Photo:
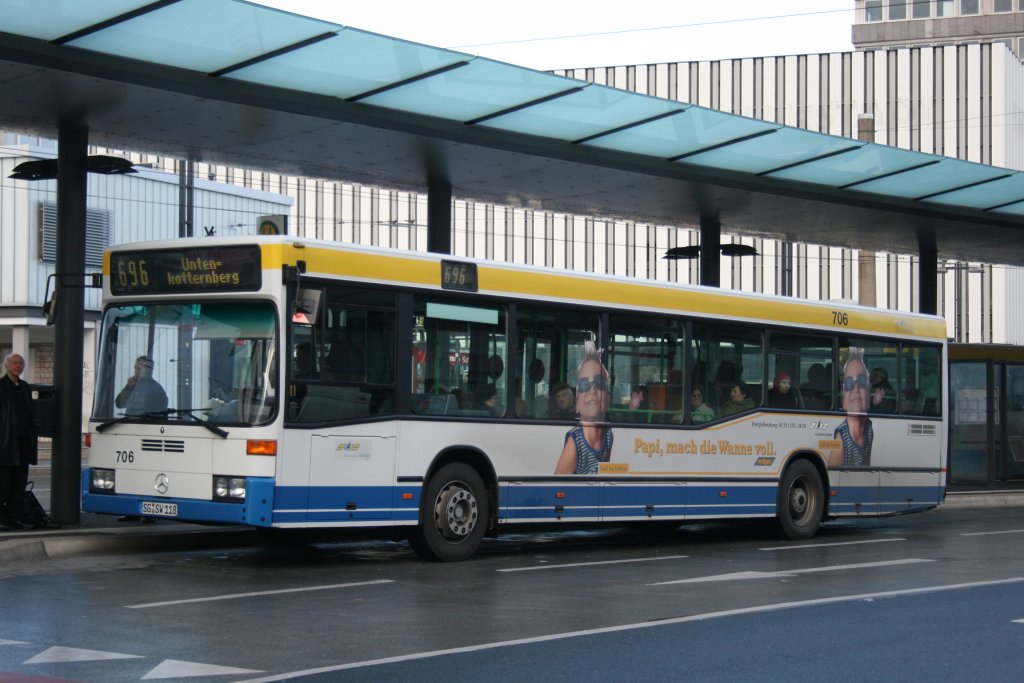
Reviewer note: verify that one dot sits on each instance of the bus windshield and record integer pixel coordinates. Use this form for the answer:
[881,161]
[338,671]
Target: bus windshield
[213,362]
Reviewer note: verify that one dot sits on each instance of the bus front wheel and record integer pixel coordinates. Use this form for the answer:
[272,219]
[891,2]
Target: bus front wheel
[801,501]
[454,514]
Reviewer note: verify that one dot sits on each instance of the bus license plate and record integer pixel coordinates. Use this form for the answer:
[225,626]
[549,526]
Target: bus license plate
[164,509]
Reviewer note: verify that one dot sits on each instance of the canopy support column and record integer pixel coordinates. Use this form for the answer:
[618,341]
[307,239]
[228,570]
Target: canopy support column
[439,217]
[710,251]
[72,150]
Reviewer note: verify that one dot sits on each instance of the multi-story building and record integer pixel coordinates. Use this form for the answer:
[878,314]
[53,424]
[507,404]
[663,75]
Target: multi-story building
[908,23]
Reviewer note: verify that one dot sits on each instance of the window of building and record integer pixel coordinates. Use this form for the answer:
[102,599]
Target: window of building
[873,10]
[945,8]
[98,228]
[968,6]
[922,9]
[1008,42]
[897,10]
[1002,5]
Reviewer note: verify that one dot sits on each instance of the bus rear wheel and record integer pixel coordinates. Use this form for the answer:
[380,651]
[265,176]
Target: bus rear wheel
[801,501]
[453,516]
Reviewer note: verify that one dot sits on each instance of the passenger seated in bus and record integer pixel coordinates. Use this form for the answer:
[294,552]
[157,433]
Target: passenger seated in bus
[700,411]
[488,398]
[883,396]
[141,393]
[739,399]
[782,395]
[816,392]
[563,403]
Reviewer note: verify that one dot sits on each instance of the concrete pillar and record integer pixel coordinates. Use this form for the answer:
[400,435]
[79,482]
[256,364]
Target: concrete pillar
[65,501]
[866,285]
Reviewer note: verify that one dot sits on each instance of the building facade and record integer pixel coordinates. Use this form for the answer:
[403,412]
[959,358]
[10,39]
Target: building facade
[908,23]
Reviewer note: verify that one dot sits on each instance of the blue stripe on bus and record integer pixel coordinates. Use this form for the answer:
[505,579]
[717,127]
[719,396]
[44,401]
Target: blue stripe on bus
[268,504]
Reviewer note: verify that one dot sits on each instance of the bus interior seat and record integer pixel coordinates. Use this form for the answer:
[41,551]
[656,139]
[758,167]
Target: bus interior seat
[435,404]
[325,402]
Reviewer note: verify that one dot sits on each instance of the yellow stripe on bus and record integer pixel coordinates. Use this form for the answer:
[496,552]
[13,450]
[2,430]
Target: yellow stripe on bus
[425,271]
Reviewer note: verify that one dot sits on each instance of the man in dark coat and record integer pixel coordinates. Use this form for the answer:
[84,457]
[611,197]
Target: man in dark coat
[17,436]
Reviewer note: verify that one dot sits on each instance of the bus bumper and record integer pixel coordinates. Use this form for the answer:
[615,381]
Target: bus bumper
[255,511]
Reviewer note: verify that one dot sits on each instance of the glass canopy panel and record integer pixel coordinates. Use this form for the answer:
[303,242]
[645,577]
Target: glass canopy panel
[481,87]
[995,193]
[921,182]
[696,129]
[1016,209]
[783,147]
[351,63]
[579,115]
[204,35]
[866,163]
[51,19]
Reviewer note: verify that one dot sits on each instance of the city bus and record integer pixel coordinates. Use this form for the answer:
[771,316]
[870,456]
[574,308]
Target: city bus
[287,383]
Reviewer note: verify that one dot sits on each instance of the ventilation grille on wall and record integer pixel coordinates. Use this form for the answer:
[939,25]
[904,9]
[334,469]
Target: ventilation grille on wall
[97,234]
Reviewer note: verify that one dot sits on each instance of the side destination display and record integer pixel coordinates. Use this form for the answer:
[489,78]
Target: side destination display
[197,270]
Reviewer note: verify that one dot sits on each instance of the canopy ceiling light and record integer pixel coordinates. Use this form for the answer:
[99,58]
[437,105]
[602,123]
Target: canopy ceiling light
[46,169]
[693,251]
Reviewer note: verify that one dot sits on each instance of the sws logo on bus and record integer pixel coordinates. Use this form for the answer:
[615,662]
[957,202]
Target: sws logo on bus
[354,449]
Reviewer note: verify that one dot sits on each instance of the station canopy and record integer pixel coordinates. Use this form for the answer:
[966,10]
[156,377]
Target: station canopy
[229,82]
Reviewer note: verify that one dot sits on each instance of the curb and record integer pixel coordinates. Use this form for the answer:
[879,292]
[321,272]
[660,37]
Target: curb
[988,499]
[50,545]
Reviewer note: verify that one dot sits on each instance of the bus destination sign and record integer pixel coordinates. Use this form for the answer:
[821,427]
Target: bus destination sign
[459,276]
[195,270]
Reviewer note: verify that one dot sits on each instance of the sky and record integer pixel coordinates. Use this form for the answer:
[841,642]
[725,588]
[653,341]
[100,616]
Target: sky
[563,34]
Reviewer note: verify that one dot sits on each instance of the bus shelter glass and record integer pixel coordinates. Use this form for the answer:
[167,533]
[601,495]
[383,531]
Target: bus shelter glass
[211,362]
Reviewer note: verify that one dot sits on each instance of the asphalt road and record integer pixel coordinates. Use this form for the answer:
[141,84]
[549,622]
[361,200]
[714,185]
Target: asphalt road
[933,596]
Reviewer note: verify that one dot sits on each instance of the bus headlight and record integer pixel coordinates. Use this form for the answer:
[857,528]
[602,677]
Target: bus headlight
[101,480]
[229,489]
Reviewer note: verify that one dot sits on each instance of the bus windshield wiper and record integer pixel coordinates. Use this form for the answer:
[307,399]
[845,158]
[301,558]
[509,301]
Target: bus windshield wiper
[191,413]
[132,416]
[165,413]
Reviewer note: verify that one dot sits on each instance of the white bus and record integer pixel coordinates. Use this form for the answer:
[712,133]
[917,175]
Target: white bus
[298,384]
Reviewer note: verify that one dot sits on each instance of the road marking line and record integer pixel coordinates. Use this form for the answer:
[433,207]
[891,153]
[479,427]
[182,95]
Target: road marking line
[993,533]
[829,545]
[633,627]
[592,564]
[60,654]
[176,668]
[234,596]
[789,572]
